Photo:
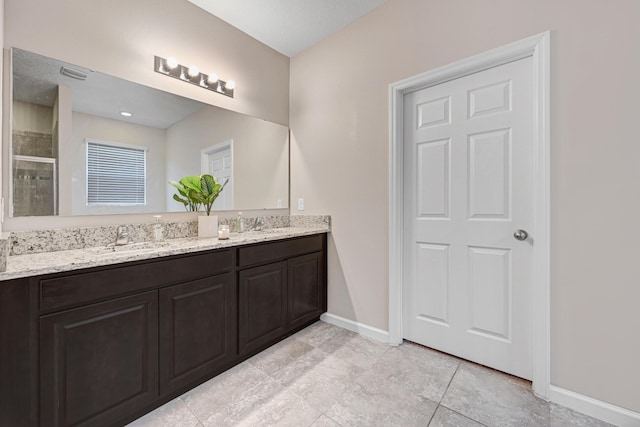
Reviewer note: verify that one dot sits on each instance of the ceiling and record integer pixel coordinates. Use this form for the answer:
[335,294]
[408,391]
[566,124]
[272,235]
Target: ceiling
[288,26]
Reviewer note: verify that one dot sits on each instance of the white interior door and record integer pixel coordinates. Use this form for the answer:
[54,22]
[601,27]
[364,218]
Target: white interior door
[468,172]
[218,161]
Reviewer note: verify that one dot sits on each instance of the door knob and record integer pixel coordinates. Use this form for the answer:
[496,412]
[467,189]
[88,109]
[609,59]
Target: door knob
[521,235]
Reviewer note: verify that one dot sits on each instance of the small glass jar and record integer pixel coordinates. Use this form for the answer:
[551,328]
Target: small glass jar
[223,232]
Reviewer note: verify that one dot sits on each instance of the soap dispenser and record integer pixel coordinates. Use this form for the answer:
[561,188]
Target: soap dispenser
[158,229]
[240,223]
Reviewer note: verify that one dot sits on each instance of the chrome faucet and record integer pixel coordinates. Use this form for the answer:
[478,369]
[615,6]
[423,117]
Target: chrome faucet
[122,236]
[258,224]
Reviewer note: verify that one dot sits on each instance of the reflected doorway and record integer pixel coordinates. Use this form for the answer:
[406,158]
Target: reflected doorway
[217,160]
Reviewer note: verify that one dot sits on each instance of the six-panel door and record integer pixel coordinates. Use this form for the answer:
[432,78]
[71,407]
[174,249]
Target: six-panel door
[468,165]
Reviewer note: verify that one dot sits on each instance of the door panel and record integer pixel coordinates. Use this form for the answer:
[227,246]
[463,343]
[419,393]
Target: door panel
[100,362]
[489,174]
[468,150]
[262,292]
[433,178]
[433,276]
[197,330]
[490,285]
[305,291]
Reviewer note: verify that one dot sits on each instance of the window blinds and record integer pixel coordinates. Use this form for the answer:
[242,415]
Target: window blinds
[116,175]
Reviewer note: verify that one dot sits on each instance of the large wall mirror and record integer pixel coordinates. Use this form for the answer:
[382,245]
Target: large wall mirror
[74,132]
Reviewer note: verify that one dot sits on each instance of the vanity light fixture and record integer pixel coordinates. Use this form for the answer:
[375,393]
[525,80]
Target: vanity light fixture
[126,114]
[191,74]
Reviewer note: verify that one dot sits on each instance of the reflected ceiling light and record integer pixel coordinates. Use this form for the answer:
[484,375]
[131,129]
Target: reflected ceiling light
[125,114]
[170,67]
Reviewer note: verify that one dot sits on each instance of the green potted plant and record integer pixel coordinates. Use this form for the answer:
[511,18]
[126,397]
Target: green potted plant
[200,191]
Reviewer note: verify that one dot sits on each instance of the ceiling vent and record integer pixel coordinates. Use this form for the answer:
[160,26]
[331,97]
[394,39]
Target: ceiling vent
[74,74]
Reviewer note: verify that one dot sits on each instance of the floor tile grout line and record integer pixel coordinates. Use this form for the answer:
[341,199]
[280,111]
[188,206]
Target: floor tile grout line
[449,384]
[463,415]
[244,392]
[444,394]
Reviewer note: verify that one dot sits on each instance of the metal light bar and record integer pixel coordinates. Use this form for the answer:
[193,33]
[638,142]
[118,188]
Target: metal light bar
[181,72]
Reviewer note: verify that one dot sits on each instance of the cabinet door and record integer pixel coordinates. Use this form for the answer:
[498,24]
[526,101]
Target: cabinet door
[305,289]
[262,293]
[197,330]
[99,362]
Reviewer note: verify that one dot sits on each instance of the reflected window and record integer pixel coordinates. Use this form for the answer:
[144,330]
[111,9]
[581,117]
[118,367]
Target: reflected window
[116,173]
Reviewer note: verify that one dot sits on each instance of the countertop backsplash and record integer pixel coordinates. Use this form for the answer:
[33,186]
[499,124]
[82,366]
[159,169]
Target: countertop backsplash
[52,240]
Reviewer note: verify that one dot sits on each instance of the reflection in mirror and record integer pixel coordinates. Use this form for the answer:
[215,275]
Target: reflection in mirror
[85,143]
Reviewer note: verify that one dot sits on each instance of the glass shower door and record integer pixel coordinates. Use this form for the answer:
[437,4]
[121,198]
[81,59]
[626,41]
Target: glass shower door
[34,186]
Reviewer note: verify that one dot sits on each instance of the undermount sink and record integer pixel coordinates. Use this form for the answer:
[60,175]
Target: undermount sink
[265,231]
[131,247]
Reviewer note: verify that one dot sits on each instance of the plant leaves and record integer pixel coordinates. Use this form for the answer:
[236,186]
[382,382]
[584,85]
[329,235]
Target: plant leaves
[192,183]
[208,184]
[198,191]
[180,199]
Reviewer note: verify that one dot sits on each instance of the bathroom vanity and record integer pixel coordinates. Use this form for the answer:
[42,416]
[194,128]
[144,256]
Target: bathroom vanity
[102,345]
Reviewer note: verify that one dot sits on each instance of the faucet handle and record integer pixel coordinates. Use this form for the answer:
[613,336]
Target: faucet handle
[122,235]
[258,224]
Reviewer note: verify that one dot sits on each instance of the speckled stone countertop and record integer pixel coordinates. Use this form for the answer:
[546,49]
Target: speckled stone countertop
[53,262]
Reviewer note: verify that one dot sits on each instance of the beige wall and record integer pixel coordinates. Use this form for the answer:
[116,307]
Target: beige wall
[339,120]
[32,117]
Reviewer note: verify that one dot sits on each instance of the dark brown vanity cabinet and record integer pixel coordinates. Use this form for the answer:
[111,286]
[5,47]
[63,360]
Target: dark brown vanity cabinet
[279,296]
[102,346]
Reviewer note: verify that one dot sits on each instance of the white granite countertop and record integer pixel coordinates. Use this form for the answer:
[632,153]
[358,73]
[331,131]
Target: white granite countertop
[53,262]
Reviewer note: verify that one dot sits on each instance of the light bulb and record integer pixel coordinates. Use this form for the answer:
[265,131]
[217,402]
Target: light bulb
[193,71]
[213,77]
[172,63]
[230,85]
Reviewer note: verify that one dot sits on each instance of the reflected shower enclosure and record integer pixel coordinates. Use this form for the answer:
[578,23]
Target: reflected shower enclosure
[34,186]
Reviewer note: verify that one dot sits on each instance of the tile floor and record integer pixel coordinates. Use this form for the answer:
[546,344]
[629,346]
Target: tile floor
[325,376]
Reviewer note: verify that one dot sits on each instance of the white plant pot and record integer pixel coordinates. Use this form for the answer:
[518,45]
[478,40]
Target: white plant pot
[208,226]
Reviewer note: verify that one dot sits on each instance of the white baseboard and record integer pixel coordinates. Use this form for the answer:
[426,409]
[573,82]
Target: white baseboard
[360,328]
[593,407]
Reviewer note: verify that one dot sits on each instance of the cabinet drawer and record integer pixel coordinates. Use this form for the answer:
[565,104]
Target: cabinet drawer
[274,251]
[74,289]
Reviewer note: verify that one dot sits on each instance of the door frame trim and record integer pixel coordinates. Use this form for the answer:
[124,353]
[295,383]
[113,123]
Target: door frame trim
[537,47]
